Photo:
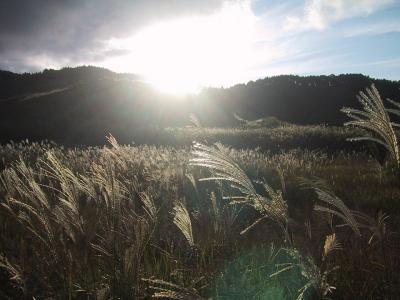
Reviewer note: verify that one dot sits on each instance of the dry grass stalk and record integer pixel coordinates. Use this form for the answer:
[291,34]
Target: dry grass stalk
[183,222]
[375,119]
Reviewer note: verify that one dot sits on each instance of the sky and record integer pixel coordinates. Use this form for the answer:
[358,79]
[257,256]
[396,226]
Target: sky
[191,43]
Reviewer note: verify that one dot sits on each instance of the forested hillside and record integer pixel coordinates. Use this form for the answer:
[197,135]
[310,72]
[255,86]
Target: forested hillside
[81,105]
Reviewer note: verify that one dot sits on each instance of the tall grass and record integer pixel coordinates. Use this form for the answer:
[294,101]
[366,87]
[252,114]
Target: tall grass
[374,117]
[138,222]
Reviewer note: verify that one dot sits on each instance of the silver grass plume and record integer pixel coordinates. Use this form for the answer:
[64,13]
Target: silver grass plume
[169,290]
[28,203]
[14,271]
[377,227]
[224,168]
[183,222]
[374,118]
[336,207]
[149,206]
[331,244]
[315,277]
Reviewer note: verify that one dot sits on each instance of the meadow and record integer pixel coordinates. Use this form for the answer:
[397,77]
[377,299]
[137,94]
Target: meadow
[290,212]
[255,212]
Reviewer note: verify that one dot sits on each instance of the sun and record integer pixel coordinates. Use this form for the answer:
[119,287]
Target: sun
[183,55]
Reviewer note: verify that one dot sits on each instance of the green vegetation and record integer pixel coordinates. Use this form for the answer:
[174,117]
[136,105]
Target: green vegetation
[291,212]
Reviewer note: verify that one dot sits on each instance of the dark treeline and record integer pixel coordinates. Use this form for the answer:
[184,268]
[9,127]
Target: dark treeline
[301,99]
[81,105]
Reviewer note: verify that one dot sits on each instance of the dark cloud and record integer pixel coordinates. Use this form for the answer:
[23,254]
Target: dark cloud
[34,33]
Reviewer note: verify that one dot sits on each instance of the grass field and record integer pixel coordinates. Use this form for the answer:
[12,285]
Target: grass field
[129,222]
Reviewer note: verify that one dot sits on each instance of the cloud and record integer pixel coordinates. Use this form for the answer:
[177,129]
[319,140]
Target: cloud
[319,14]
[374,28]
[38,34]
[51,33]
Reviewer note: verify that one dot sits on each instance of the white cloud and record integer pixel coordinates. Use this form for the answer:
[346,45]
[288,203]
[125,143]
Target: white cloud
[319,14]
[39,34]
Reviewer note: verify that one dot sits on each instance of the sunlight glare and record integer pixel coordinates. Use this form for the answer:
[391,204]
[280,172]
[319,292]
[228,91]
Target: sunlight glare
[182,55]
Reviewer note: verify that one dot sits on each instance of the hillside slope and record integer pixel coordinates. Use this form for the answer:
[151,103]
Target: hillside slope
[81,105]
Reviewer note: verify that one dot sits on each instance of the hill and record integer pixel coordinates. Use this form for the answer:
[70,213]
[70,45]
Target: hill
[83,104]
